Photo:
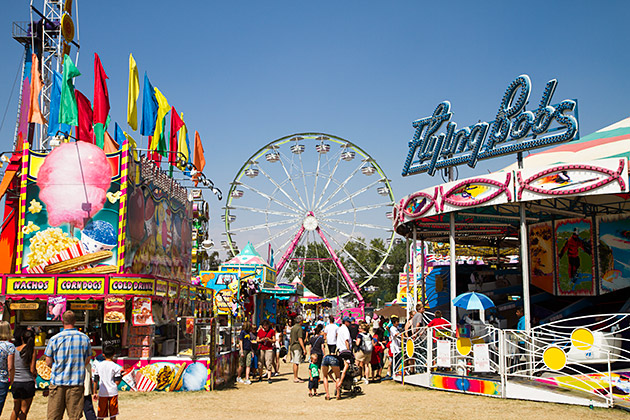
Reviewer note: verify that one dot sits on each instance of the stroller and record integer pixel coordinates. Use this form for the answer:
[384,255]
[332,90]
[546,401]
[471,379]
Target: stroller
[352,379]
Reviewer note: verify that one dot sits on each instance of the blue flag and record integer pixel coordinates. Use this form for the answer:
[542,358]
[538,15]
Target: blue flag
[149,108]
[119,134]
[55,101]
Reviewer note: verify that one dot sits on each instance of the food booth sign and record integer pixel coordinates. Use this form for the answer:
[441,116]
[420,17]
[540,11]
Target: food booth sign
[513,130]
[161,288]
[131,286]
[30,285]
[80,285]
[173,289]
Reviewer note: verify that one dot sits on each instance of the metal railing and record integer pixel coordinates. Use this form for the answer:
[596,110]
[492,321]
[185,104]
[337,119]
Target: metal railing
[578,354]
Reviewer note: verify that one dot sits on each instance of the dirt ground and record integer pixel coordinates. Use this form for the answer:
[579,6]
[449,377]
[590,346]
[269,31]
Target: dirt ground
[284,399]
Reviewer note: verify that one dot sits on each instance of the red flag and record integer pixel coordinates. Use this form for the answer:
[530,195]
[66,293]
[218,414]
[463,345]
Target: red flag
[199,160]
[85,131]
[176,124]
[153,155]
[101,96]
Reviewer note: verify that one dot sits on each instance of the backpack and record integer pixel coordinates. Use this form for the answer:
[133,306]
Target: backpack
[366,343]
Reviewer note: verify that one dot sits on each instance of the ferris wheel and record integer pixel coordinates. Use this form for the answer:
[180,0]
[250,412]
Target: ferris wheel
[319,205]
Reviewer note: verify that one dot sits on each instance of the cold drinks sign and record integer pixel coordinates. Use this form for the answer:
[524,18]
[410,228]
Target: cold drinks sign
[513,130]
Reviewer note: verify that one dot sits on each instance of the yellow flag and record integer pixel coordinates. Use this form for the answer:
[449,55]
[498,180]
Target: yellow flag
[182,141]
[132,94]
[163,108]
[132,145]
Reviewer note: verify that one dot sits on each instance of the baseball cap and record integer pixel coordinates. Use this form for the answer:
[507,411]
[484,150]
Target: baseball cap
[347,319]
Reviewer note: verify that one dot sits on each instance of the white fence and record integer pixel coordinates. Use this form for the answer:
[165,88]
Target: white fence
[579,354]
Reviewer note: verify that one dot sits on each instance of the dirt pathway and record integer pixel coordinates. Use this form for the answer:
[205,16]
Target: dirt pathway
[284,399]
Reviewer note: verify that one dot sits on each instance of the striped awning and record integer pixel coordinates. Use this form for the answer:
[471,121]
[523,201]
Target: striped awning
[612,141]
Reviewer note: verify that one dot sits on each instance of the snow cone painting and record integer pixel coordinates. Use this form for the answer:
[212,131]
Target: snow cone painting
[72,209]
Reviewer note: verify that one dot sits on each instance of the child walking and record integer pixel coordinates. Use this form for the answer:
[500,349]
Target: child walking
[313,379]
[107,377]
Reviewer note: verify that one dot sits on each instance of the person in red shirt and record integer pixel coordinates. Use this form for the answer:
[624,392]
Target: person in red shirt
[572,248]
[439,323]
[266,339]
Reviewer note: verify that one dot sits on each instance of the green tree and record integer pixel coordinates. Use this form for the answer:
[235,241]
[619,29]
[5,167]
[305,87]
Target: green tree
[313,266]
[320,275]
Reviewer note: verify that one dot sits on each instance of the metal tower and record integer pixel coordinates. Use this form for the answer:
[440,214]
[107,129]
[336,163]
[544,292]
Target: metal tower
[50,33]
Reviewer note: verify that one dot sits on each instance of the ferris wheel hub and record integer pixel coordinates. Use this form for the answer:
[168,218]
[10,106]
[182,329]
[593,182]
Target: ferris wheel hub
[310,223]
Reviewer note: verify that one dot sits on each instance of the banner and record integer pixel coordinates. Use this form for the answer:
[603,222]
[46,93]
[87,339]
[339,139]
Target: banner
[173,290]
[614,253]
[217,280]
[444,353]
[141,312]
[114,309]
[481,357]
[159,236]
[55,308]
[541,251]
[161,288]
[574,248]
[30,285]
[131,286]
[80,286]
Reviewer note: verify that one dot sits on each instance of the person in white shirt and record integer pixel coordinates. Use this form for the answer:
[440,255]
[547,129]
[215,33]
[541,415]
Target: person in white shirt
[107,377]
[330,334]
[344,342]
[394,336]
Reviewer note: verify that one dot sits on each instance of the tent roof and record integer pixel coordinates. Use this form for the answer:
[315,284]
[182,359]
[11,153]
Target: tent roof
[612,141]
[248,256]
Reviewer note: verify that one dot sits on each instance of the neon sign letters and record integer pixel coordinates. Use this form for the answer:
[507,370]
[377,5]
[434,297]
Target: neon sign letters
[513,130]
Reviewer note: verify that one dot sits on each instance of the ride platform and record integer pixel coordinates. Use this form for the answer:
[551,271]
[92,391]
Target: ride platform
[554,390]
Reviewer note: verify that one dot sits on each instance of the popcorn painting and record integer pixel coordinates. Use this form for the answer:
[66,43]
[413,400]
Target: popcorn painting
[73,183]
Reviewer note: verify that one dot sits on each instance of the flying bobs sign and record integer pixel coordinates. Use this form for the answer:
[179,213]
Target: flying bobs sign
[513,130]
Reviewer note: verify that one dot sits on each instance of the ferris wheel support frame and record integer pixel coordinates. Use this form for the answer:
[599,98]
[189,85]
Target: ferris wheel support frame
[289,251]
[344,273]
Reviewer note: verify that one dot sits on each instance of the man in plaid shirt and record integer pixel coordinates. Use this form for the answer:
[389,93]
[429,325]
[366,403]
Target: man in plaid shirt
[67,353]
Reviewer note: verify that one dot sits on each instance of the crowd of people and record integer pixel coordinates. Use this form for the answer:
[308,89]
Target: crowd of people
[74,384]
[329,347]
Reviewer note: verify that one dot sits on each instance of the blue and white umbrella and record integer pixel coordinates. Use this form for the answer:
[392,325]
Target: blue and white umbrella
[473,300]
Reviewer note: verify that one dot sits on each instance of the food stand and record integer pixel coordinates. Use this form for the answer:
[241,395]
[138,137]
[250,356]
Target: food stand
[109,237]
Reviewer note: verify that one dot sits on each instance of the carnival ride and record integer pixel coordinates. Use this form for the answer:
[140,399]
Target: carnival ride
[318,201]
[543,203]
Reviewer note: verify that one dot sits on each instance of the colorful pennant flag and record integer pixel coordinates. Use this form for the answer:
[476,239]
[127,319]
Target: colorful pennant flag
[162,148]
[34,112]
[199,159]
[109,144]
[133,92]
[55,101]
[132,145]
[162,110]
[68,111]
[183,145]
[84,131]
[176,125]
[101,102]
[149,109]
[101,96]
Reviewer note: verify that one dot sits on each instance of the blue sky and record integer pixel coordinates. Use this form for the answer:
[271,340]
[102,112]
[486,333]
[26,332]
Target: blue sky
[246,73]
